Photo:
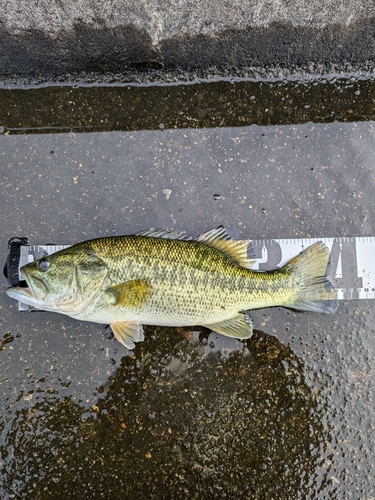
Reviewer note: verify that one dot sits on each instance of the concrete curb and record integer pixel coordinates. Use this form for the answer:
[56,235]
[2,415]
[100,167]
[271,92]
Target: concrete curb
[46,41]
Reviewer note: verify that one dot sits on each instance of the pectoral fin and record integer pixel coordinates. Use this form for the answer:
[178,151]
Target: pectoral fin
[127,333]
[239,327]
[132,293]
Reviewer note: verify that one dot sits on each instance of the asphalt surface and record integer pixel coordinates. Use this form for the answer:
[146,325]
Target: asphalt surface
[188,414]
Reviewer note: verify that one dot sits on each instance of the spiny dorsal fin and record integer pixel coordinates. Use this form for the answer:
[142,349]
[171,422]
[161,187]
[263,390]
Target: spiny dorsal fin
[237,249]
[161,233]
[239,327]
[127,333]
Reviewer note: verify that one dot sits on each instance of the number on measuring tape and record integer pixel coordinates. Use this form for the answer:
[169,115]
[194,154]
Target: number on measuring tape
[344,268]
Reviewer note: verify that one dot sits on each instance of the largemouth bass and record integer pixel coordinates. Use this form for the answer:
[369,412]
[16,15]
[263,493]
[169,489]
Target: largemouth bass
[160,278]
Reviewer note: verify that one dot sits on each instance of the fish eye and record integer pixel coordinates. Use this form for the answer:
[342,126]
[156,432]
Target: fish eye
[43,264]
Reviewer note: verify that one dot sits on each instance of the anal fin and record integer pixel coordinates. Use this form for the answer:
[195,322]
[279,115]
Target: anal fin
[239,327]
[127,333]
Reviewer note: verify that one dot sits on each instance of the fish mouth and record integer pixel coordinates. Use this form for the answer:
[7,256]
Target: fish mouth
[34,295]
[38,289]
[24,295]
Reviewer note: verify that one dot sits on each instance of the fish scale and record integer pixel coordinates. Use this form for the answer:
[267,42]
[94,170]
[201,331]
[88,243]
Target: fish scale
[178,282]
[190,266]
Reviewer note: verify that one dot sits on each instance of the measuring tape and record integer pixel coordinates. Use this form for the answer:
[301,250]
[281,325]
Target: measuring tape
[351,269]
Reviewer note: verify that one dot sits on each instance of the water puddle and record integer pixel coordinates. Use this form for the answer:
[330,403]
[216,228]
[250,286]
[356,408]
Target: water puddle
[229,103]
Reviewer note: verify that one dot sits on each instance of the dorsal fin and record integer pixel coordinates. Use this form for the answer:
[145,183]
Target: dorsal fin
[237,249]
[161,233]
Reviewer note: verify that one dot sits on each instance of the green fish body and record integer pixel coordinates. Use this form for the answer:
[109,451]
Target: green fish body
[159,278]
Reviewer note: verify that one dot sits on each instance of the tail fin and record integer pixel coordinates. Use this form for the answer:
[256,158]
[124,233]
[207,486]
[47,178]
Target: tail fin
[309,271]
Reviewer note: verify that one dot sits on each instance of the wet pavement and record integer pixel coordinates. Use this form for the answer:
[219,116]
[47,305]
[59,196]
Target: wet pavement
[189,414]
